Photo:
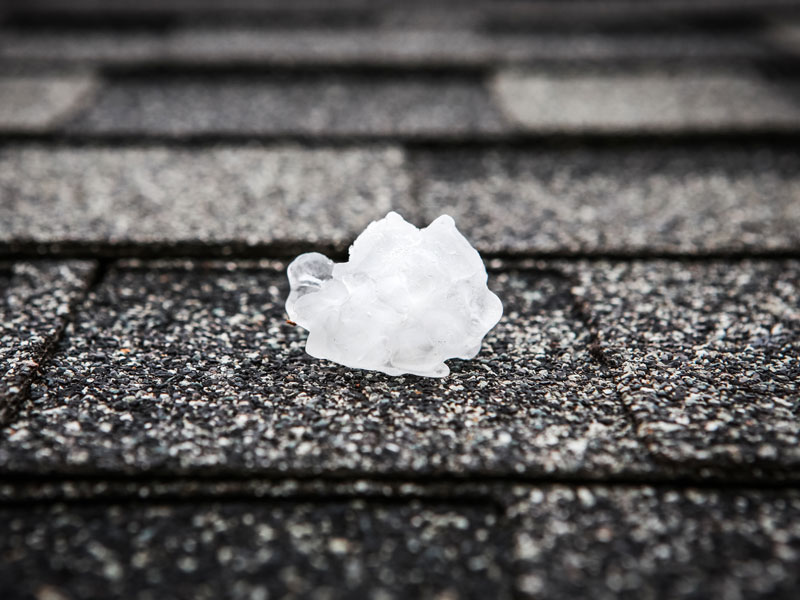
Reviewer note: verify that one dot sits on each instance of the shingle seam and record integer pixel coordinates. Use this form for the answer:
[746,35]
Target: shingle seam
[240,250]
[512,136]
[471,493]
[195,497]
[11,406]
[608,365]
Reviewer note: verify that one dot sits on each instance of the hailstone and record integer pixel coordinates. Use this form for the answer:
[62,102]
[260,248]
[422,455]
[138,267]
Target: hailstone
[407,300]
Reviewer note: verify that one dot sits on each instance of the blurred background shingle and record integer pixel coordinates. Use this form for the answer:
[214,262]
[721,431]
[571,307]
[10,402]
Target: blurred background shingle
[630,172]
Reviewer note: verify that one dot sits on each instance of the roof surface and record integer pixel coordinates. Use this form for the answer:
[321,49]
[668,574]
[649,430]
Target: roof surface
[631,175]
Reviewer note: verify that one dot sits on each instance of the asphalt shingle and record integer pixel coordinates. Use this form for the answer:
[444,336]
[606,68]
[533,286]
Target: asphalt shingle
[423,47]
[644,542]
[338,105]
[442,47]
[273,196]
[37,297]
[194,370]
[633,199]
[675,101]
[106,47]
[163,433]
[254,550]
[707,357]
[364,46]
[41,102]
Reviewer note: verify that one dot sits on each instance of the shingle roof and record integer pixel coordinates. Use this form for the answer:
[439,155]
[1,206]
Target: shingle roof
[631,175]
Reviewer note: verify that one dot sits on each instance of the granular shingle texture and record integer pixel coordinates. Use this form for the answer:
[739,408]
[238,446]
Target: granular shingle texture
[254,195]
[635,199]
[405,105]
[707,356]
[644,542]
[36,300]
[194,370]
[649,102]
[256,550]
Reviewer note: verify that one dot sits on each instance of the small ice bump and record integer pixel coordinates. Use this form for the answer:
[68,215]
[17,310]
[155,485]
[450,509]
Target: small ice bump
[407,300]
[306,274]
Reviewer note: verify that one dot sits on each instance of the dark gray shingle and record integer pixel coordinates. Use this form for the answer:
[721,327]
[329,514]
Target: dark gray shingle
[195,370]
[339,105]
[254,550]
[404,46]
[707,357]
[618,542]
[37,298]
[634,199]
[160,196]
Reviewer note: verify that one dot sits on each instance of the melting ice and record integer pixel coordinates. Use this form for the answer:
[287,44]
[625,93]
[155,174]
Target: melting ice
[407,300]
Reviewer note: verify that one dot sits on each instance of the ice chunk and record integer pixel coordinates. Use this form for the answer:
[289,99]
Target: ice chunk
[406,301]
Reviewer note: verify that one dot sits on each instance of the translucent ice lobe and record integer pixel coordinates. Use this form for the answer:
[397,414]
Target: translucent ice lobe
[306,274]
[406,301]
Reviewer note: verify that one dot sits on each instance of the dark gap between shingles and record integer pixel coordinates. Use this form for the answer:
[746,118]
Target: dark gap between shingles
[240,250]
[513,138]
[467,490]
